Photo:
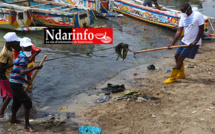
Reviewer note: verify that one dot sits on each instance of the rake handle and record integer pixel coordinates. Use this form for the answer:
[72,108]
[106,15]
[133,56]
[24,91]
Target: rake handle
[41,63]
[158,49]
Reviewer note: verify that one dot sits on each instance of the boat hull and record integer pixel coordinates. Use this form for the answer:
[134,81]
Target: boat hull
[49,14]
[167,19]
[9,19]
[57,19]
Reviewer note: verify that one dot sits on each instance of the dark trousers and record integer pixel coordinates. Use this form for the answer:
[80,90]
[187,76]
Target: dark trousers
[19,97]
[148,3]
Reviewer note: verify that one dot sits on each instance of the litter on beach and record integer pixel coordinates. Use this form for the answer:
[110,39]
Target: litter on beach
[90,130]
[102,99]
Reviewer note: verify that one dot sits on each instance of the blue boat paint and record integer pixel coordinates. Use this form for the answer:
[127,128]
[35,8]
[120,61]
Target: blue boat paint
[91,17]
[77,21]
[85,3]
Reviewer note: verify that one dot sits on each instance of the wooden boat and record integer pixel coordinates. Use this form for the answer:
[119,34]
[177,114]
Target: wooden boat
[164,17]
[9,19]
[52,14]
[103,8]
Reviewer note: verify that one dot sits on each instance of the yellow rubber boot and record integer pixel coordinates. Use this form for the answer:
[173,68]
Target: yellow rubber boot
[181,74]
[172,77]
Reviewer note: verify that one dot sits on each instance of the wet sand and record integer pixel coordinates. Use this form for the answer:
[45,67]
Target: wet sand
[186,106]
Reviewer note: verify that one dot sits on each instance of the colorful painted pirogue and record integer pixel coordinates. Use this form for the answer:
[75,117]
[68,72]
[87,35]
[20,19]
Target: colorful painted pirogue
[49,14]
[9,20]
[164,17]
[102,7]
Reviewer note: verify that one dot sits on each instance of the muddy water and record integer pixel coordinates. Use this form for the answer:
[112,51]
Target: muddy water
[73,69]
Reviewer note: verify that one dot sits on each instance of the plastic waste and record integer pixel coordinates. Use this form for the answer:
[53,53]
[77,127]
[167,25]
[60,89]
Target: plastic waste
[90,130]
[63,108]
[168,71]
[120,98]
[56,119]
[102,99]
[149,98]
[151,67]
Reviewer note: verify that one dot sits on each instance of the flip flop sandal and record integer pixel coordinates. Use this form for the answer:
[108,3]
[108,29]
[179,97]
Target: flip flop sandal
[136,93]
[30,129]
[129,92]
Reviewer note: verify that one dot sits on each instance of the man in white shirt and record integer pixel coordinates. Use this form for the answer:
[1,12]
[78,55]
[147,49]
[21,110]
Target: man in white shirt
[192,23]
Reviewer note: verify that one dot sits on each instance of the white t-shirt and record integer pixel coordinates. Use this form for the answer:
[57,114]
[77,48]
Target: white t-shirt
[191,27]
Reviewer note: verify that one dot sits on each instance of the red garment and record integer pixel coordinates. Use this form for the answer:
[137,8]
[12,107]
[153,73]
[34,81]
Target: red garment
[5,88]
[33,51]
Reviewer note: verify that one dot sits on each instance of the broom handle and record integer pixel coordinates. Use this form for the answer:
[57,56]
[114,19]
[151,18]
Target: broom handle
[41,63]
[157,49]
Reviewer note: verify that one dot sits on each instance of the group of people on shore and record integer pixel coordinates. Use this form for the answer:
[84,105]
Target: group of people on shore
[12,75]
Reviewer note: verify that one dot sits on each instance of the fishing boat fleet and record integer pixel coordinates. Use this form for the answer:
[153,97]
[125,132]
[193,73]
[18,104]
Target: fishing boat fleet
[25,15]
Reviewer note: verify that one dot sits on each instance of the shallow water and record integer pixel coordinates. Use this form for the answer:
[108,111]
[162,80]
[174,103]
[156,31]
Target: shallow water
[73,69]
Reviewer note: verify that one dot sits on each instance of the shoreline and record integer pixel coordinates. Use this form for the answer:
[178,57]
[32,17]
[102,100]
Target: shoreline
[106,115]
[177,99]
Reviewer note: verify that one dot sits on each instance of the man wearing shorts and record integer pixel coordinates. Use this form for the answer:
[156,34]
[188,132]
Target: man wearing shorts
[6,64]
[192,22]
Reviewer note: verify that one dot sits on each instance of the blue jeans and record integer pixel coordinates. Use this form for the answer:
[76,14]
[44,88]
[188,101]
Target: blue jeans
[188,52]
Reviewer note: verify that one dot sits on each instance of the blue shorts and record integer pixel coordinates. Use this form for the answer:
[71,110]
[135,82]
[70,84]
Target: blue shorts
[188,52]
[148,3]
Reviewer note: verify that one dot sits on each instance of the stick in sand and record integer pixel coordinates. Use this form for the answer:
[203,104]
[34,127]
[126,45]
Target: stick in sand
[41,63]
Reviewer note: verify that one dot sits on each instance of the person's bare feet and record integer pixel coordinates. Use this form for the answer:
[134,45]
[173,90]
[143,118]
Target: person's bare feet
[30,129]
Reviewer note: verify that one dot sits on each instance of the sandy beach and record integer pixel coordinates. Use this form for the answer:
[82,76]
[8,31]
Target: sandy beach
[185,106]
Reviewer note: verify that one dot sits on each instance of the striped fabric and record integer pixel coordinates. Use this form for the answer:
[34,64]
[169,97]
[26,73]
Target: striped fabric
[15,76]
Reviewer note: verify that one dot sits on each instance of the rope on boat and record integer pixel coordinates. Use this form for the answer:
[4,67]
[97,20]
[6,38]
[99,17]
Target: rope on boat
[211,25]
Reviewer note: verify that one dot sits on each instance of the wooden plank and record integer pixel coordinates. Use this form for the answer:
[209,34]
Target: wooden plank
[18,2]
[59,7]
[68,9]
[41,5]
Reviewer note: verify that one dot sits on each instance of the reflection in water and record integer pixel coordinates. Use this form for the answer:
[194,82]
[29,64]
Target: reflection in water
[207,7]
